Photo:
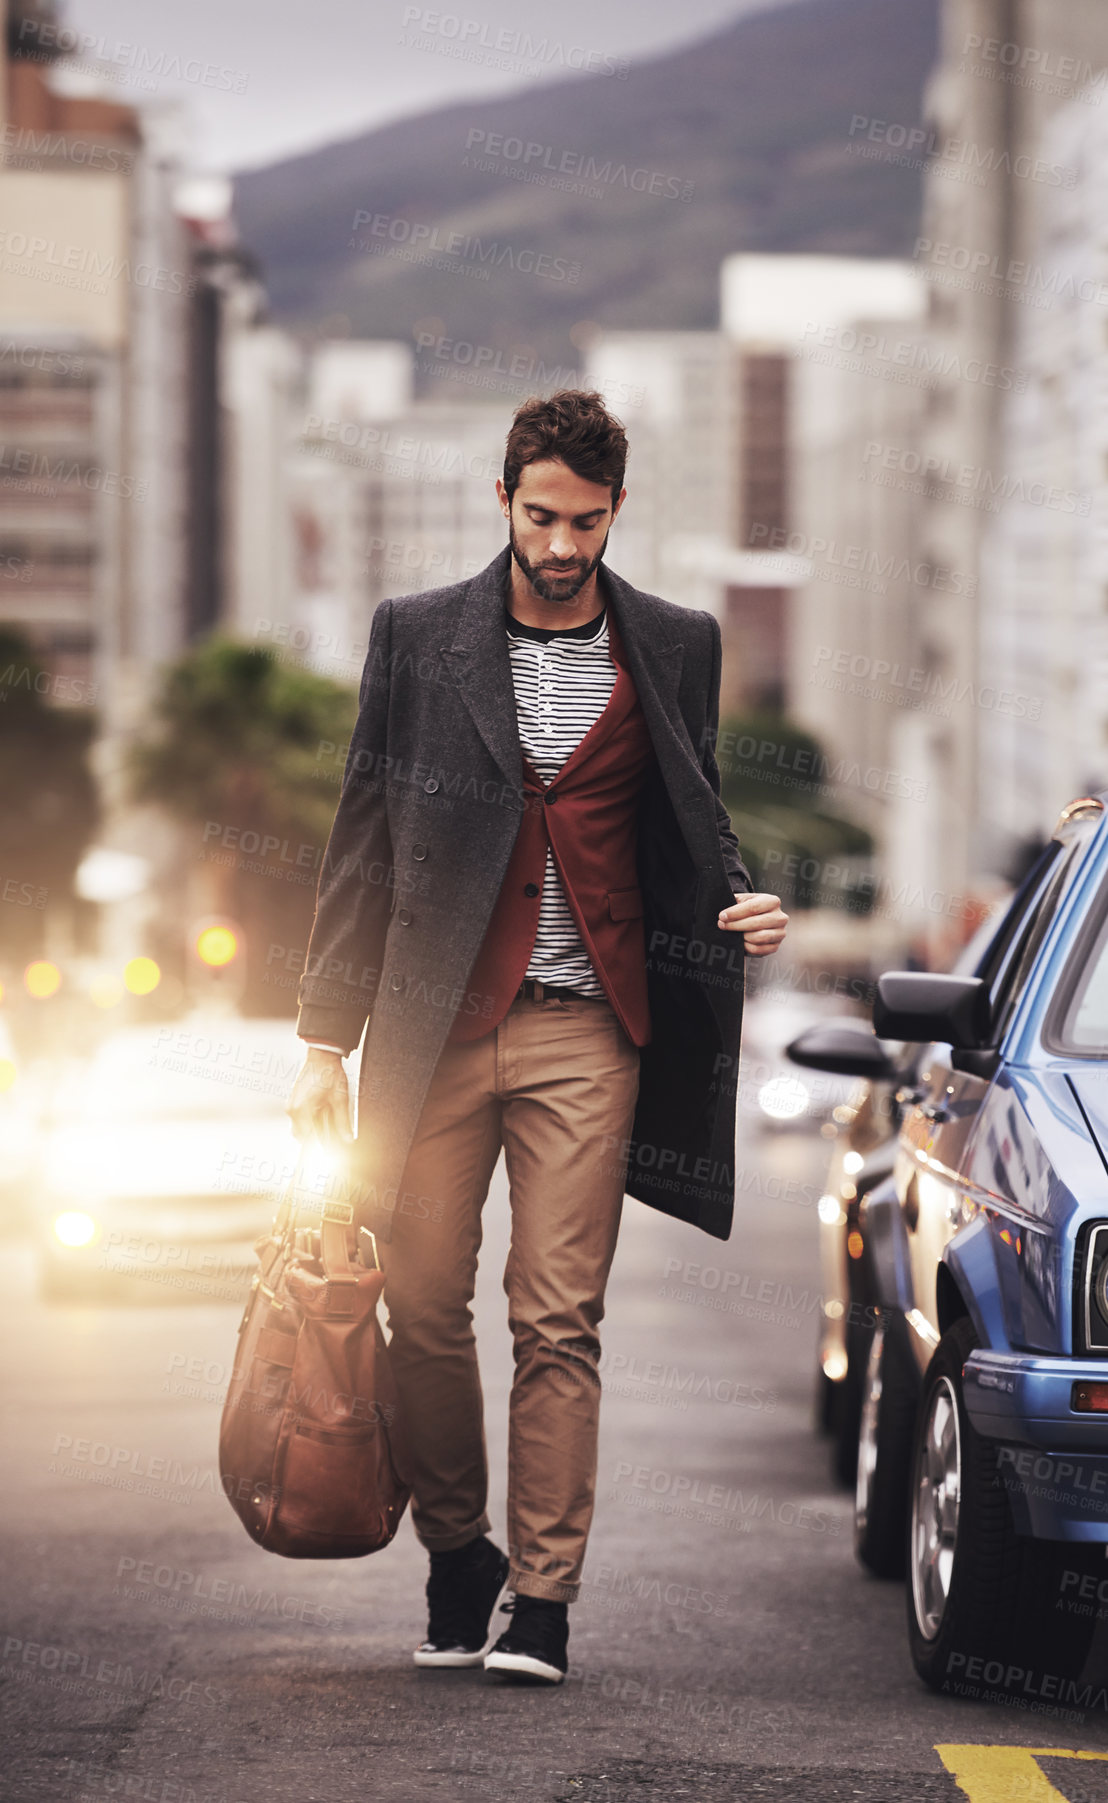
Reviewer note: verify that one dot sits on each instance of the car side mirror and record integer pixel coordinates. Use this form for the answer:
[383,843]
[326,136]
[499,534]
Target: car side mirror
[846,1051]
[924,1005]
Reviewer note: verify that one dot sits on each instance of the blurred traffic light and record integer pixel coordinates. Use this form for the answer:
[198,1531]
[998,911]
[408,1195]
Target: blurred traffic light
[42,979]
[217,945]
[217,962]
[141,976]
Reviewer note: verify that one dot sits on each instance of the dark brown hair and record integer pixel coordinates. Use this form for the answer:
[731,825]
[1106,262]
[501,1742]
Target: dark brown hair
[573,425]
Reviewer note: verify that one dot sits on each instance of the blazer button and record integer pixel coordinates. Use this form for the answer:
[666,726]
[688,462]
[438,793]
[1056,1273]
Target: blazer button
[397,983]
[431,785]
[419,852]
[404,916]
[530,888]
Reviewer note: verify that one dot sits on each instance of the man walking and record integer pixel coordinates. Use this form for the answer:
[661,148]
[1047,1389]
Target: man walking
[533,892]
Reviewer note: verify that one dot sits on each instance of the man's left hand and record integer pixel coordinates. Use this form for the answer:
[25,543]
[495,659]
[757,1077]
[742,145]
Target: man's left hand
[760,919]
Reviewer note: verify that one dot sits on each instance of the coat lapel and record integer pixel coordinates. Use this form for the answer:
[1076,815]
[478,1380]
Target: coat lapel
[482,668]
[478,658]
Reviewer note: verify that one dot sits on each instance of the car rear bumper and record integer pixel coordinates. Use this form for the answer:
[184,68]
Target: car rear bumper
[1052,1461]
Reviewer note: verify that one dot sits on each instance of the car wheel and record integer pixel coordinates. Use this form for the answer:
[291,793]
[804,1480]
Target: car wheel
[890,1393]
[983,1600]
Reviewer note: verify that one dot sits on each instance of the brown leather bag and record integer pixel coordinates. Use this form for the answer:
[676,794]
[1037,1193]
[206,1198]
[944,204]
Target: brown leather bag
[311,1451]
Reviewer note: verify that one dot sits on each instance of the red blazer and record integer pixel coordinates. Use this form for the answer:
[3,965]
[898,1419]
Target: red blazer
[587,815]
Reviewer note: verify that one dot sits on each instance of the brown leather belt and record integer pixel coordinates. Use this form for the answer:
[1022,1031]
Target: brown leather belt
[535,990]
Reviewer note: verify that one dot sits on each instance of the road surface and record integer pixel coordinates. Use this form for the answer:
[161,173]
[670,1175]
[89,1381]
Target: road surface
[726,1647]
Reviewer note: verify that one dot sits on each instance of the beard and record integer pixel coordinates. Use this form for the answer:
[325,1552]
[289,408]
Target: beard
[555,585]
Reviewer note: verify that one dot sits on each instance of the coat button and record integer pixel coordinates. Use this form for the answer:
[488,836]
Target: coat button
[530,888]
[397,983]
[419,852]
[431,785]
[551,798]
[404,916]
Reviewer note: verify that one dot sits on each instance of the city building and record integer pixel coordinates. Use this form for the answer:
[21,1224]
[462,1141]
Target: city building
[991,184]
[1043,718]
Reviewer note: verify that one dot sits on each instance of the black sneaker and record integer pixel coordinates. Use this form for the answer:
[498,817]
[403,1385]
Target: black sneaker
[534,1646]
[462,1592]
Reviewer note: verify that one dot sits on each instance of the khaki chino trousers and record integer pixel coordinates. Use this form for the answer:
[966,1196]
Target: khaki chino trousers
[555,1085]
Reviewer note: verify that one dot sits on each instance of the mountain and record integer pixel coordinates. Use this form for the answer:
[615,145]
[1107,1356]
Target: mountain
[636,185]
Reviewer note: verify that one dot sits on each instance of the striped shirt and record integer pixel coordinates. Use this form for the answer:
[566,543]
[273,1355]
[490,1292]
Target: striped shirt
[562,679]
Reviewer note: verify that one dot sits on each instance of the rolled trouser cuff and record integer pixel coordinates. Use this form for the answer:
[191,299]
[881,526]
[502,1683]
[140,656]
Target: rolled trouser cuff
[551,1590]
[449,1543]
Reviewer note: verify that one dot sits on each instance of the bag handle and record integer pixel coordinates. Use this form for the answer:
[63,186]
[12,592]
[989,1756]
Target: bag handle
[335,1220]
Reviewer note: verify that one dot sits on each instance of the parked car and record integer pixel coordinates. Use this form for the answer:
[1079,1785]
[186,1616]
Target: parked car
[879,1079]
[983,1444]
[775,1095]
[164,1159]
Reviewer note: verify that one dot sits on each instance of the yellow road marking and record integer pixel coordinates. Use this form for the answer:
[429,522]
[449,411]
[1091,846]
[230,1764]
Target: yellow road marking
[1007,1774]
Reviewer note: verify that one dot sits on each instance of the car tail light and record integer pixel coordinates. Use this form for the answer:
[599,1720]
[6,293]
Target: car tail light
[1089,1399]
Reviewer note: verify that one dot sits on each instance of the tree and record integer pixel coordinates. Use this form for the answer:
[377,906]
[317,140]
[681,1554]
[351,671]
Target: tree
[48,807]
[774,778]
[248,750]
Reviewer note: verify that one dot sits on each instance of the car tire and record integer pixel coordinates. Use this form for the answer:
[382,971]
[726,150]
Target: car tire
[890,1396]
[977,1590]
[848,1417]
[825,1403]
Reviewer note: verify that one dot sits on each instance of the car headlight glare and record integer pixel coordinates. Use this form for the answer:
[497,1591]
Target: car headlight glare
[783,1098]
[75,1228]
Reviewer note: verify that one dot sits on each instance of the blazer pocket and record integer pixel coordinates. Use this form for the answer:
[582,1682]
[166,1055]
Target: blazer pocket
[625,904]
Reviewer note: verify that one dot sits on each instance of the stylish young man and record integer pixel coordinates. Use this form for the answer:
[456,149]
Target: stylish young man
[533,892]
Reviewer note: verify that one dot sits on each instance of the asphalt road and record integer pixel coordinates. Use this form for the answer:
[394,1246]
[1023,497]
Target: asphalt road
[726,1646]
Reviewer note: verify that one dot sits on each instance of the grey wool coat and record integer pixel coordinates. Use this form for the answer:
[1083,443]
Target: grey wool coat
[430,805]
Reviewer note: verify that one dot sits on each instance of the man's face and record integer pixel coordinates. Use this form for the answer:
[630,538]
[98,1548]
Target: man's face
[558,527]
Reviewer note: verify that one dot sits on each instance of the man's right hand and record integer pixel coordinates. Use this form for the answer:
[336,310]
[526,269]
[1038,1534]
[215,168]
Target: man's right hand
[319,1106]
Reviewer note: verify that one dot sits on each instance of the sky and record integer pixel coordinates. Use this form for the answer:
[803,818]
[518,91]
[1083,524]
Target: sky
[264,79]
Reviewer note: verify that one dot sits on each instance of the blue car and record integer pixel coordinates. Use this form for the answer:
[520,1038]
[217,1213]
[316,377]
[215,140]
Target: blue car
[982,1470]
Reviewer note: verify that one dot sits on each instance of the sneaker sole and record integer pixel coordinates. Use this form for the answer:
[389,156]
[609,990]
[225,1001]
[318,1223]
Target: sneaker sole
[523,1665]
[459,1661]
[453,1661]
